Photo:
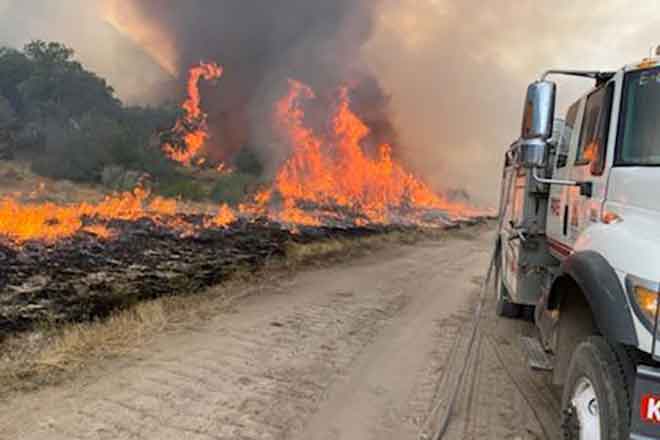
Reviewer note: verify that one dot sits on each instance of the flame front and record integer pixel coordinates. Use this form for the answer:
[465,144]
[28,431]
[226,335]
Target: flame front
[192,128]
[330,177]
[223,218]
[48,222]
[333,173]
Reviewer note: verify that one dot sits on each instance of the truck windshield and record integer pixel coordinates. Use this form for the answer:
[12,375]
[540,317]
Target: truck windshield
[639,133]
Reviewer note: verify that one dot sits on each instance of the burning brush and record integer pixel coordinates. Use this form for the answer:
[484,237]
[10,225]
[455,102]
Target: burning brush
[329,179]
[191,131]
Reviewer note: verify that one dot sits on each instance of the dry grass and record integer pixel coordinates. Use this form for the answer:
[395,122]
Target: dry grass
[331,250]
[48,355]
[53,355]
[18,180]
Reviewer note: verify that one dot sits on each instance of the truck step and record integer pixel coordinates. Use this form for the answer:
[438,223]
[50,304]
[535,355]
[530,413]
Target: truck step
[537,358]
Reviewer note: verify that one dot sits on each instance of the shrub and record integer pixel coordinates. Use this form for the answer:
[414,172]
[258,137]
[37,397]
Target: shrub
[78,152]
[7,114]
[183,188]
[247,161]
[68,121]
[232,188]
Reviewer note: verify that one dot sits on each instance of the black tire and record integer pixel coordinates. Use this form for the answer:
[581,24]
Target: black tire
[504,307]
[607,371]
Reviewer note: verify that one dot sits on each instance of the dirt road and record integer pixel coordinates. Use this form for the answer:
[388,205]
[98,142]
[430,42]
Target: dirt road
[363,350]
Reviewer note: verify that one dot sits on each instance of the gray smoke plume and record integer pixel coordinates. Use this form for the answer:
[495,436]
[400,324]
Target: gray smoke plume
[261,45]
[447,76]
[457,72]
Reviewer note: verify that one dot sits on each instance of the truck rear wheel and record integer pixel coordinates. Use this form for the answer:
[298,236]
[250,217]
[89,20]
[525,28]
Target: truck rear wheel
[596,400]
[504,307]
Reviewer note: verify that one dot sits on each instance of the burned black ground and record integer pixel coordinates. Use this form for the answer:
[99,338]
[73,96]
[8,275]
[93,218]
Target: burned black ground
[85,278]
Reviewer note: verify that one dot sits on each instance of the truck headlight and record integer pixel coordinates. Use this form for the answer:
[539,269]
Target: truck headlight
[644,295]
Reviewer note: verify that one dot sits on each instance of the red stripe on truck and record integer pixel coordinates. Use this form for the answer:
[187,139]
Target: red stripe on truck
[560,248]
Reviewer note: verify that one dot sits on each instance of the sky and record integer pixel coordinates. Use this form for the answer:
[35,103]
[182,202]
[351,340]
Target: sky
[80,24]
[455,71]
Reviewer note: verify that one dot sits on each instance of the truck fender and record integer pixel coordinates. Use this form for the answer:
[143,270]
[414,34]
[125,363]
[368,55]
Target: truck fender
[601,287]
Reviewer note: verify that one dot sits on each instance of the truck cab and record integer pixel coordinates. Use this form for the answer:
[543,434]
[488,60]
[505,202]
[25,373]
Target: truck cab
[579,246]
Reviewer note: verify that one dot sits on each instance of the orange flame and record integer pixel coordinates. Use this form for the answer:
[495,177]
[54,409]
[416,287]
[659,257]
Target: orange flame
[49,222]
[195,138]
[223,218]
[590,152]
[334,173]
[329,176]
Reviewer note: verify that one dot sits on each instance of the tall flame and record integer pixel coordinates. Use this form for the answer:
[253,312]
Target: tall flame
[333,172]
[330,176]
[192,127]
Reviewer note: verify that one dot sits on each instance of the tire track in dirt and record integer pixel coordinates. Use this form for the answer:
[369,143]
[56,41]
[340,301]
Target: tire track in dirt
[380,409]
[501,396]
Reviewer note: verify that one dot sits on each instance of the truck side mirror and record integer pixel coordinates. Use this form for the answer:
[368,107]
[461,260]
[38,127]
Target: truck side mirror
[538,124]
[539,111]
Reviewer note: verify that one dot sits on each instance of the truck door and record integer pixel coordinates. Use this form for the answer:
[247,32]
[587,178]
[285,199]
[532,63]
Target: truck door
[558,208]
[584,205]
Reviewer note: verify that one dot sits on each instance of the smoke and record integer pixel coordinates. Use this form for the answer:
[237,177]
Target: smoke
[457,72]
[447,77]
[261,46]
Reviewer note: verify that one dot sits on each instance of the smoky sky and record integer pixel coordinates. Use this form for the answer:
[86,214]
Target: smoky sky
[457,72]
[262,45]
[447,77]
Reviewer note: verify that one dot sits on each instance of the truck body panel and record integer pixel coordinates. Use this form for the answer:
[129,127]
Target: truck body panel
[524,253]
[585,222]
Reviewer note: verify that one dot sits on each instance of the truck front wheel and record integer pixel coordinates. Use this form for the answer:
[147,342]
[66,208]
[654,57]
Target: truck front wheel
[596,400]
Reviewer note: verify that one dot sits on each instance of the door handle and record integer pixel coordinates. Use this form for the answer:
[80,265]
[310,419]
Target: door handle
[586,189]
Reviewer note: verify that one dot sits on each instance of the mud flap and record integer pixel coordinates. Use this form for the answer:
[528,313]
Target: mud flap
[645,418]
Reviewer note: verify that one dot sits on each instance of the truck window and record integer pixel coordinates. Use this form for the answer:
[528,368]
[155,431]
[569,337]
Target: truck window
[567,135]
[639,129]
[595,129]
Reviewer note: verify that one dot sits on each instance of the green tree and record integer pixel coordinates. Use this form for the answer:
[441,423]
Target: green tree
[51,54]
[69,122]
[78,152]
[7,114]
[15,68]
[60,87]
[7,121]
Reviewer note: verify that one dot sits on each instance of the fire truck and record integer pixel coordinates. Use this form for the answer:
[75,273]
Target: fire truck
[578,246]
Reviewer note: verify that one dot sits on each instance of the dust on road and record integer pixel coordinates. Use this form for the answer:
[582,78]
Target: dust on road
[361,351]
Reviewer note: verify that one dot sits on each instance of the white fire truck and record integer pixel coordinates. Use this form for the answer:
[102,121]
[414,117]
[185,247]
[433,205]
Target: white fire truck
[579,245]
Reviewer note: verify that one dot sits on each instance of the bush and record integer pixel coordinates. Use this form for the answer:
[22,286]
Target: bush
[183,188]
[78,152]
[232,188]
[247,161]
[68,122]
[7,114]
